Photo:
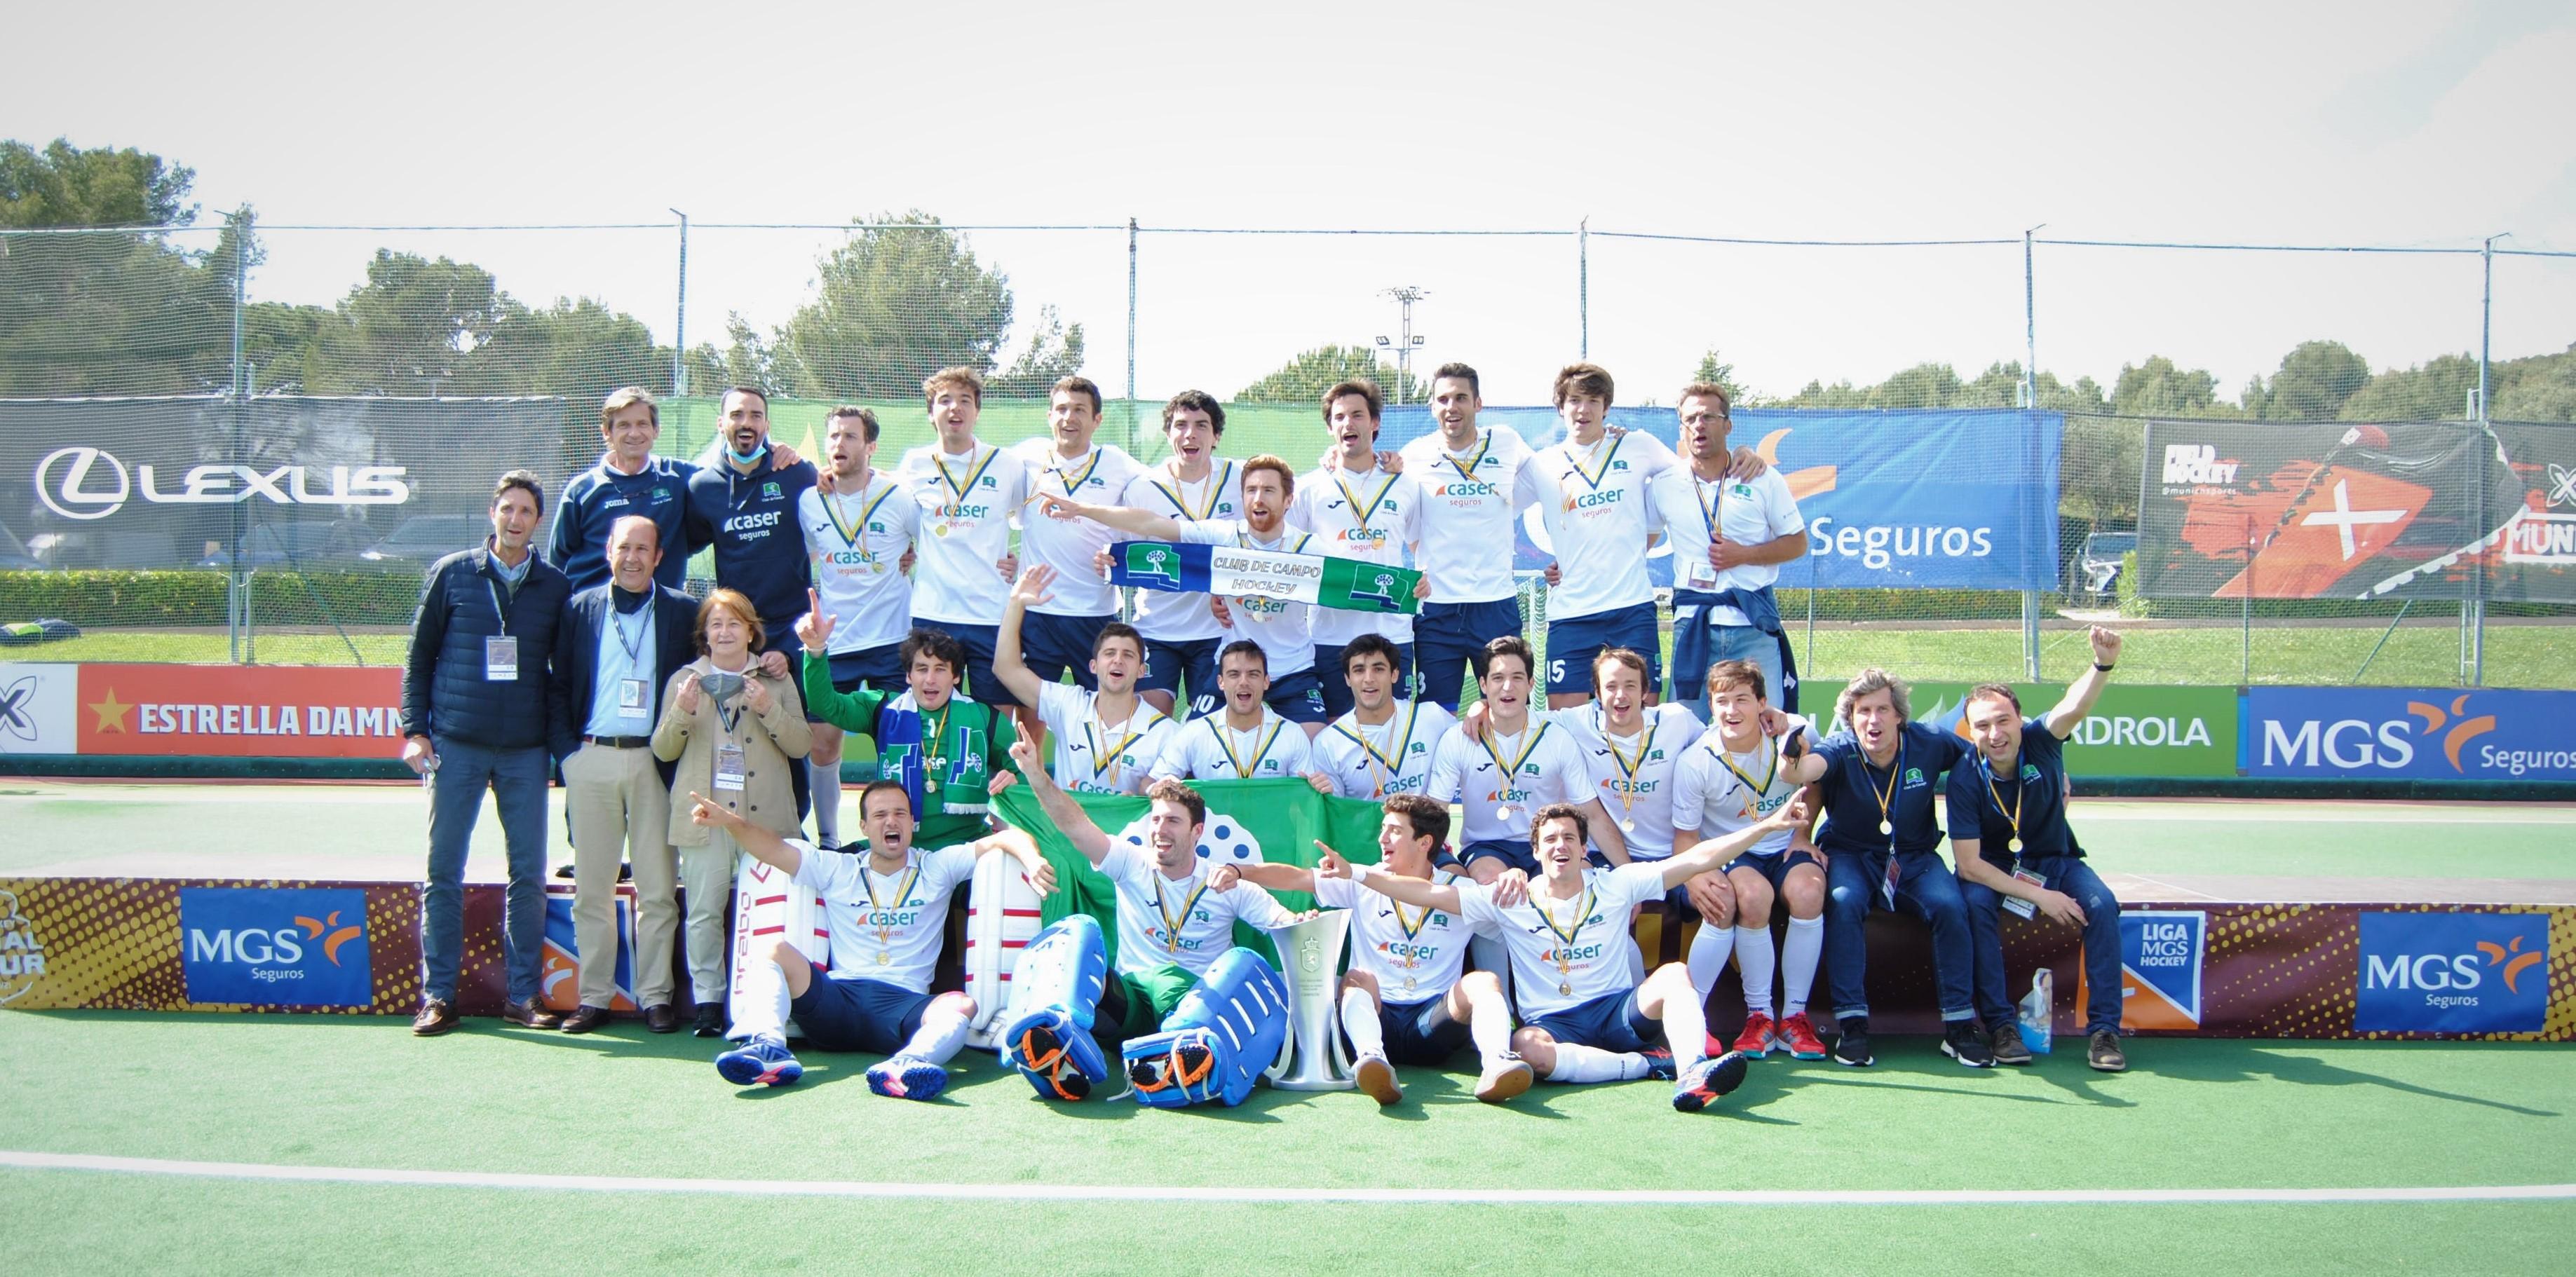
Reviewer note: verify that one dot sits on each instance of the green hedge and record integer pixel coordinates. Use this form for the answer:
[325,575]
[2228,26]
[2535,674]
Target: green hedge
[97,598]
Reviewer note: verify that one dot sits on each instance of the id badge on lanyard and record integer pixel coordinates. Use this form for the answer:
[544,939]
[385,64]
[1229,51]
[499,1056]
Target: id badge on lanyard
[634,698]
[729,767]
[501,659]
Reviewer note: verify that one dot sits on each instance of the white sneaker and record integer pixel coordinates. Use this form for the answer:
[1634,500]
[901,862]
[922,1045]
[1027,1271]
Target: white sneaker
[1503,1079]
[1377,1077]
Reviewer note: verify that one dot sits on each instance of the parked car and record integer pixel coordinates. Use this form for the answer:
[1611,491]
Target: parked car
[2098,565]
[290,546]
[424,539]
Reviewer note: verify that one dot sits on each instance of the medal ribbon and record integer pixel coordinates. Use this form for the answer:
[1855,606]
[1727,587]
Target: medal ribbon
[1468,471]
[2019,791]
[1225,741]
[1592,479]
[1112,754]
[1217,481]
[1362,515]
[1513,768]
[854,535]
[959,490]
[867,880]
[1627,770]
[1172,929]
[1727,757]
[1565,938]
[1887,799]
[1393,765]
[1072,485]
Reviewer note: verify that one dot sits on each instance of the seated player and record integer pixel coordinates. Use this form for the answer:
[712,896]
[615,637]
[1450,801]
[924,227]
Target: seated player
[1382,747]
[946,749]
[1106,742]
[1249,740]
[1735,775]
[1405,999]
[887,911]
[1586,1017]
[2009,834]
[1178,967]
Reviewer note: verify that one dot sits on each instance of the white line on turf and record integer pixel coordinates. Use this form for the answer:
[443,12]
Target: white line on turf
[1258,1195]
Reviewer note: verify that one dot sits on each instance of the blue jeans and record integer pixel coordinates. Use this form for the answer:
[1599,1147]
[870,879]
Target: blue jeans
[1724,643]
[517,781]
[2068,874]
[1925,889]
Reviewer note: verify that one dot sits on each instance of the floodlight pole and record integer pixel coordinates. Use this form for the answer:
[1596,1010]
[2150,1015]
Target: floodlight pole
[1405,340]
[2474,614]
[680,316]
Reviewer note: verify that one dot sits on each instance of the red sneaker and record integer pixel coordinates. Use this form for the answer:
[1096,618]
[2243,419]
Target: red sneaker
[1755,1041]
[1799,1034]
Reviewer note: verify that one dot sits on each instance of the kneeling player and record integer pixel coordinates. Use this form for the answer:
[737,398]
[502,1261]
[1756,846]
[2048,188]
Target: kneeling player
[886,912]
[1587,1021]
[1404,1000]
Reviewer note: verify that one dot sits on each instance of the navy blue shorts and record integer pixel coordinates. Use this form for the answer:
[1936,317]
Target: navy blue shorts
[1611,1022]
[981,683]
[857,1015]
[1169,666]
[1774,868]
[1052,646]
[877,668]
[1513,854]
[1400,1023]
[1449,645]
[1571,645]
[1299,698]
[1338,699]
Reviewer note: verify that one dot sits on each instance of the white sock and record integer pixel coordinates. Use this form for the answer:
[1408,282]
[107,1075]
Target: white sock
[1359,1020]
[1592,1064]
[1798,960]
[942,1032]
[1490,955]
[763,1005]
[826,783]
[1753,958]
[1709,948]
[1490,1024]
[1685,1031]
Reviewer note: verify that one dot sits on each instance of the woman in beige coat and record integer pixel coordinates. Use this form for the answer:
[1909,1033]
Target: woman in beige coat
[738,750]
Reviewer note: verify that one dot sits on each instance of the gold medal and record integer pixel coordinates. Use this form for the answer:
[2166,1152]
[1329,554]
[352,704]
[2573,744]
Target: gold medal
[929,785]
[1883,826]
[2013,845]
[884,957]
[1564,989]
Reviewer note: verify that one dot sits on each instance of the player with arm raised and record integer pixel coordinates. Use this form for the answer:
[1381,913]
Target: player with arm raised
[1384,746]
[1193,486]
[887,911]
[2009,835]
[1106,741]
[1600,521]
[858,536]
[968,493]
[1586,1019]
[1730,532]
[1474,481]
[1058,636]
[930,735]
[1357,511]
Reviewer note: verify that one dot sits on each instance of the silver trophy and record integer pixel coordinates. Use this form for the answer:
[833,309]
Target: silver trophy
[1310,958]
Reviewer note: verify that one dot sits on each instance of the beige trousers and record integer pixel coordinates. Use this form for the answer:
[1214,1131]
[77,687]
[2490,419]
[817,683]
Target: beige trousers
[708,873]
[618,807]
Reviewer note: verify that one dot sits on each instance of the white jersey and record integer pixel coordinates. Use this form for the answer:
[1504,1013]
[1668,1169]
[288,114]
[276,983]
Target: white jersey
[1416,954]
[1093,757]
[1633,775]
[1179,922]
[1598,507]
[1283,629]
[1373,517]
[1468,503]
[1745,511]
[1204,748]
[1719,792]
[1162,615]
[1568,952]
[857,541]
[886,928]
[1097,477]
[966,507]
[1393,757]
[1545,764]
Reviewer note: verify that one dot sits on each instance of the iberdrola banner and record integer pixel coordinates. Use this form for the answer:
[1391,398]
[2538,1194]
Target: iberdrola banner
[1320,579]
[1248,821]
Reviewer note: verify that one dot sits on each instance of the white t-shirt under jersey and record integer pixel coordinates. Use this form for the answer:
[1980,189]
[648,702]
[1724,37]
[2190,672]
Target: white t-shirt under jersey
[1468,502]
[1632,776]
[1094,757]
[886,928]
[1165,616]
[1205,748]
[1748,511]
[1374,517]
[966,504]
[1599,511]
[1163,921]
[1416,954]
[1393,757]
[1720,792]
[1550,769]
[1097,477]
[1280,627]
[1568,952]
[857,541]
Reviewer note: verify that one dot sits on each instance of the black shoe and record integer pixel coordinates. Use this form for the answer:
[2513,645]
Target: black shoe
[1965,1041]
[710,1021]
[531,1014]
[437,1016]
[2008,1046]
[1852,1047]
[584,1018]
[662,1017]
[2103,1052]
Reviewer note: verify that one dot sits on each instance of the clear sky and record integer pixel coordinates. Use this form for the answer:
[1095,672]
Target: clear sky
[2369,123]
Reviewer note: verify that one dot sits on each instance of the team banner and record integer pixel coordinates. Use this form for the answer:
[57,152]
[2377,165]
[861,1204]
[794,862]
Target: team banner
[2409,733]
[2134,729]
[198,711]
[2405,511]
[1351,585]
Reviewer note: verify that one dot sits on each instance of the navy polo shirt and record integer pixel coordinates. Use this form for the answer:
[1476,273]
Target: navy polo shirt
[1988,803]
[1853,790]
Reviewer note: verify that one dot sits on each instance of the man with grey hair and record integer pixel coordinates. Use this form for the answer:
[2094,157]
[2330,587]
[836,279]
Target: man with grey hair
[629,480]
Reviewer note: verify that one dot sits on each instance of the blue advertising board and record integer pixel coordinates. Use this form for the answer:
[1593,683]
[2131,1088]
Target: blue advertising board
[2409,733]
[276,946]
[2452,973]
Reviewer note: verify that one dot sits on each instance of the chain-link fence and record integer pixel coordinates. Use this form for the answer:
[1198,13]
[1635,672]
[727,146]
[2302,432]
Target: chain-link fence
[203,432]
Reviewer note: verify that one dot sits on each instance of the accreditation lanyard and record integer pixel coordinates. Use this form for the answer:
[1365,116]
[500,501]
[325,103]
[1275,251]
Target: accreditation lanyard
[957,491]
[1752,791]
[2012,814]
[1565,937]
[1172,926]
[1361,514]
[1225,741]
[855,535]
[877,908]
[1887,798]
[1219,479]
[1383,767]
[500,651]
[1114,767]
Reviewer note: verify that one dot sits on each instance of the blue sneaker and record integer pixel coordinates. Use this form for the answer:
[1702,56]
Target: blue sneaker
[1710,1078]
[762,1061]
[1659,1063]
[907,1077]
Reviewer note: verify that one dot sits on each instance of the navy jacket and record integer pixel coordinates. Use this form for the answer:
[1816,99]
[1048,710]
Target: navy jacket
[599,497]
[445,696]
[760,547]
[577,640]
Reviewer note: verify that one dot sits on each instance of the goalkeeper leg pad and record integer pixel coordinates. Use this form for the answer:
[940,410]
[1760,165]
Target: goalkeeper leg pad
[1216,1044]
[1056,990]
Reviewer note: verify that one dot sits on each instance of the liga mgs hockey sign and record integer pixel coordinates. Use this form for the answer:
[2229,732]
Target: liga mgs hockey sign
[240,711]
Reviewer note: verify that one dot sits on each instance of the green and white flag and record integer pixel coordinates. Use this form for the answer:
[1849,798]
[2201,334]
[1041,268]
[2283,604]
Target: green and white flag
[1352,585]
